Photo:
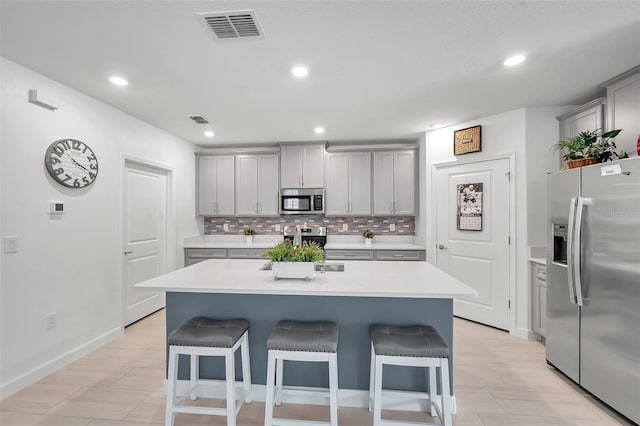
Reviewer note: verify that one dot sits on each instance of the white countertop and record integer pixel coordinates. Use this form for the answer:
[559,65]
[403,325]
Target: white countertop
[540,260]
[230,244]
[266,241]
[359,279]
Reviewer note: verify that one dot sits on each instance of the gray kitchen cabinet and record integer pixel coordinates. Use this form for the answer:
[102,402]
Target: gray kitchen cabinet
[348,184]
[587,117]
[215,185]
[336,254]
[539,288]
[394,183]
[623,108]
[257,185]
[302,166]
[246,253]
[195,255]
[400,255]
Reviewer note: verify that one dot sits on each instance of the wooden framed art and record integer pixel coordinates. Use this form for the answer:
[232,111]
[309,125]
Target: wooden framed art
[466,140]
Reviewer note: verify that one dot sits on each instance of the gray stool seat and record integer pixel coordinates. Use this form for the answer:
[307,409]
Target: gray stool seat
[208,333]
[411,341]
[316,336]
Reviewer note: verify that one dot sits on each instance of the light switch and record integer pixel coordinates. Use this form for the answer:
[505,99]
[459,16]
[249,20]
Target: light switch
[10,244]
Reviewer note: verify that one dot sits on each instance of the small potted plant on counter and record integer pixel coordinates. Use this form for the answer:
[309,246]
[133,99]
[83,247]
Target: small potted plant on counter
[368,237]
[248,234]
[288,261]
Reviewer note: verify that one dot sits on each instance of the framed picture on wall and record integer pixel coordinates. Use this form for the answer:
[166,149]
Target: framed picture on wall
[467,140]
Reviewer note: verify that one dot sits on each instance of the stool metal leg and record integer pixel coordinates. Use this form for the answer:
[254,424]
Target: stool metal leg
[279,375]
[377,393]
[268,403]
[333,388]
[172,376]
[446,393]
[194,375]
[246,368]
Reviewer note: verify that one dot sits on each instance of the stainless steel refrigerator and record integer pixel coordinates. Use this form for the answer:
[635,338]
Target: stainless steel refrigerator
[593,280]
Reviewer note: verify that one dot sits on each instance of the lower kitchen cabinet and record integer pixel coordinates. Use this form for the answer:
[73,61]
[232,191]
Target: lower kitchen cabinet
[539,288]
[348,254]
[382,255]
[195,255]
[246,253]
[400,255]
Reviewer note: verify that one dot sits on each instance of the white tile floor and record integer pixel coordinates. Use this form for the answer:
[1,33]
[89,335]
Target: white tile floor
[499,380]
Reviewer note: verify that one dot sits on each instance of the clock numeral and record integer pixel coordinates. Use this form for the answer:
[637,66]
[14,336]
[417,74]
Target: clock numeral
[58,151]
[77,145]
[66,144]
[91,157]
[66,178]
[76,183]
[55,160]
[59,170]
[85,180]
[93,166]
[91,175]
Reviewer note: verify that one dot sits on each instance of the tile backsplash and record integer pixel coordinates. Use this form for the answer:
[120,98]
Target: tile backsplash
[347,225]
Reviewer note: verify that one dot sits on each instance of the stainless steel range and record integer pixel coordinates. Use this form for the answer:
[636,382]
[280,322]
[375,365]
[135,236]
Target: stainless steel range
[299,234]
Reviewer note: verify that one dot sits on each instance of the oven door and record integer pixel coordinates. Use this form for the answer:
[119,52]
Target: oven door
[295,204]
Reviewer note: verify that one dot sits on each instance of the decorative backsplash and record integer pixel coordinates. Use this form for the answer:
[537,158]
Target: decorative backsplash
[404,225]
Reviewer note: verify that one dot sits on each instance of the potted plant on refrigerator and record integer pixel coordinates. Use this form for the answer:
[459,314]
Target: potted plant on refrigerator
[248,235]
[590,147]
[289,261]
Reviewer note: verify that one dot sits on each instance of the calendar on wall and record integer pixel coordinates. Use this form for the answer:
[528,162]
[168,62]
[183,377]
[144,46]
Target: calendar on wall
[469,212]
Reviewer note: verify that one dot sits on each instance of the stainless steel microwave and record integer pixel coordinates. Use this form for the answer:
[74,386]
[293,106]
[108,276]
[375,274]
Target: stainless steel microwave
[302,201]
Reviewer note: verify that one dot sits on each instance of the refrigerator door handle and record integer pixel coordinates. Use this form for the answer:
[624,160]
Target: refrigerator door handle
[570,237]
[577,252]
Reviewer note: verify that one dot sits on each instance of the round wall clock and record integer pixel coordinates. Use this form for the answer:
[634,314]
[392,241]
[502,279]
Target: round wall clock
[71,163]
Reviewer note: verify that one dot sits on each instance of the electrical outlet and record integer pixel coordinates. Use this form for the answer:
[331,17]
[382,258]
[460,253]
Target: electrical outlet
[225,226]
[345,227]
[52,320]
[392,227]
[277,227]
[10,244]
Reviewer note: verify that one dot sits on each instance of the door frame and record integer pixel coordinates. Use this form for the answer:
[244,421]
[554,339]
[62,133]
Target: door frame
[433,225]
[170,245]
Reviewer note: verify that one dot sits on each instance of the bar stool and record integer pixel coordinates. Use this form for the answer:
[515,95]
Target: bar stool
[301,341]
[208,337]
[411,346]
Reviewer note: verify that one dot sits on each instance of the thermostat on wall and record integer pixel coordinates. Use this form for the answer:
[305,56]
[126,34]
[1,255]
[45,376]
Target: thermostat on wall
[56,207]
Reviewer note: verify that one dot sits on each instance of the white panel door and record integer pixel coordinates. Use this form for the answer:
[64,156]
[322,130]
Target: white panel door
[479,258]
[383,182]
[337,193]
[404,183]
[145,239]
[247,185]
[268,174]
[360,183]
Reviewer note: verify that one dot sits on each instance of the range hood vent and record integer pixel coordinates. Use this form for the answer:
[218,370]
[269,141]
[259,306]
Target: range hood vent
[240,24]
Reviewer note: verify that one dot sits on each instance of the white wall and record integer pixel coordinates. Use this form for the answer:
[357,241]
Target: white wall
[69,264]
[526,133]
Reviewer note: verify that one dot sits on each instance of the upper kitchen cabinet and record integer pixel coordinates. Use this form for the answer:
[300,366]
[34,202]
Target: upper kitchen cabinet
[348,184]
[394,183]
[257,185]
[215,185]
[588,117]
[302,166]
[623,108]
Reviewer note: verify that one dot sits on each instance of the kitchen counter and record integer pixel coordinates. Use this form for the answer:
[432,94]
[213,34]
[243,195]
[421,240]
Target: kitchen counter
[538,260]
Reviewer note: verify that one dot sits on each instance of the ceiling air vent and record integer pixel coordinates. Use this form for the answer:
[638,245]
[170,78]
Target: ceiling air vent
[199,119]
[232,25]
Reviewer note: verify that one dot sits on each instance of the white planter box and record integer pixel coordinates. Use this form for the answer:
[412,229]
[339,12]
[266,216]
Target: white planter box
[297,270]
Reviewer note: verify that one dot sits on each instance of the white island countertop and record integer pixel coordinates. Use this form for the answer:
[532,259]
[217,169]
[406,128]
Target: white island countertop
[359,279]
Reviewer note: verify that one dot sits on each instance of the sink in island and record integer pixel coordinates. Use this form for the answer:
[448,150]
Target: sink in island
[404,292]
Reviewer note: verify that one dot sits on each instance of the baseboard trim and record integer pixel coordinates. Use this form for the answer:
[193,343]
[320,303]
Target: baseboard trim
[17,384]
[346,397]
[525,333]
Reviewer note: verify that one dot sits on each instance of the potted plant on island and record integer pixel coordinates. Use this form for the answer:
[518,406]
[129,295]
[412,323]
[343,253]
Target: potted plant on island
[368,237]
[590,147]
[289,261]
[248,234]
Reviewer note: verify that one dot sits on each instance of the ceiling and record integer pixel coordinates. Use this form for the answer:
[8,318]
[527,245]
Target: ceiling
[378,70]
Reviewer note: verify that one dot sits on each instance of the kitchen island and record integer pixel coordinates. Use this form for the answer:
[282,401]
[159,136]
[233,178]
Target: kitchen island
[366,292]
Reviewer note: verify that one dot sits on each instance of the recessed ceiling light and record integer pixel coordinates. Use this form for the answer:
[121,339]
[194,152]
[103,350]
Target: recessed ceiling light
[209,134]
[118,81]
[437,125]
[299,71]
[319,130]
[514,60]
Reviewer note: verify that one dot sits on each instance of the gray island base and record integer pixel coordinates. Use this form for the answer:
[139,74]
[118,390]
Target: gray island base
[404,293]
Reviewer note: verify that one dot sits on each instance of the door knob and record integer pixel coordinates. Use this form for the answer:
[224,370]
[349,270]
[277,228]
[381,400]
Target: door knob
[441,247]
